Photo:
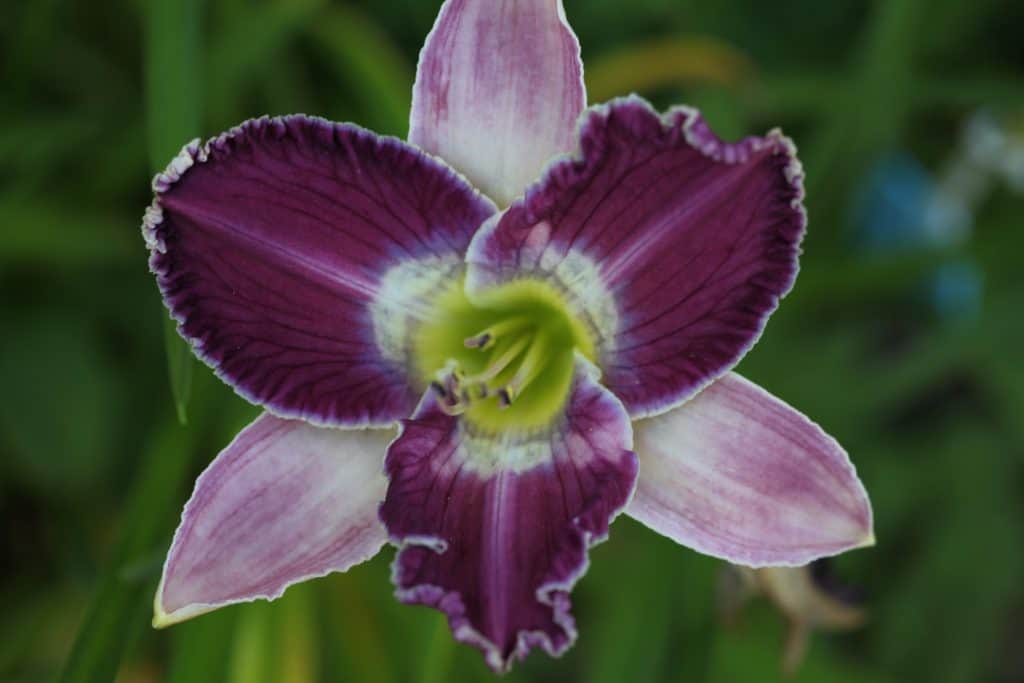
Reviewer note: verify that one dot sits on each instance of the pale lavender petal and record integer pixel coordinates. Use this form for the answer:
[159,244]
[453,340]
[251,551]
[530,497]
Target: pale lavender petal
[738,474]
[498,90]
[673,246]
[285,502]
[494,529]
[282,245]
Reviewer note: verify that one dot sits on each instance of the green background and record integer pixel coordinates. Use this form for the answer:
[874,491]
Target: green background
[927,397]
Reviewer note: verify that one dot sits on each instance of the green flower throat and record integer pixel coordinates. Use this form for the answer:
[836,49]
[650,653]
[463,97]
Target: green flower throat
[505,359]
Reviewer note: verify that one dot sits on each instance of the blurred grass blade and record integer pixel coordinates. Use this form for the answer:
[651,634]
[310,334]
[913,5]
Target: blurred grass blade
[172,77]
[438,662]
[179,368]
[297,637]
[632,644]
[122,605]
[653,66]
[854,134]
[172,119]
[372,67]
[39,142]
[73,455]
[354,627]
[255,657]
[52,237]
[199,647]
[244,50]
[803,93]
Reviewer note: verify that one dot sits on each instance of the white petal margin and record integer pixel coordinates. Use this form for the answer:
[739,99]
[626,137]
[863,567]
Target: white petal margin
[738,474]
[499,87]
[283,503]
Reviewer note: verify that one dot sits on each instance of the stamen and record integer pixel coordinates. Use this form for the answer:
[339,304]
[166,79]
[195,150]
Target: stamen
[504,399]
[479,341]
[447,386]
[452,382]
[452,409]
[449,403]
[495,367]
[515,340]
[439,390]
[486,338]
[533,363]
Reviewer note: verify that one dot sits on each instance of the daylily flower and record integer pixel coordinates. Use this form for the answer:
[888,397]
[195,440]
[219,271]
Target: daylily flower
[550,308]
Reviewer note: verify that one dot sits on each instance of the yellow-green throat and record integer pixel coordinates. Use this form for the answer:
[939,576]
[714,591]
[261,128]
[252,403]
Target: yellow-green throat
[505,359]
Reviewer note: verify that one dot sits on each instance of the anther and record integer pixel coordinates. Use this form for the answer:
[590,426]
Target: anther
[533,363]
[478,342]
[488,337]
[439,389]
[504,398]
[500,363]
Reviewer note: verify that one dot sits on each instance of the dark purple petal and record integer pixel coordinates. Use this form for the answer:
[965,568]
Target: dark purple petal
[738,474]
[494,529]
[498,90]
[285,502]
[294,253]
[674,246]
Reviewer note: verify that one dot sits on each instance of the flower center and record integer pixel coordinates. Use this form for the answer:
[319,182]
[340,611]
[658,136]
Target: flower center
[504,360]
[514,342]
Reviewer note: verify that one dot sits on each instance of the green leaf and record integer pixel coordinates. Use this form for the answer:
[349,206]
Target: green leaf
[172,119]
[297,637]
[180,365]
[854,134]
[45,234]
[173,63]
[123,602]
[122,606]
[365,59]
[353,612]
[243,52]
[255,655]
[788,95]
[31,627]
[41,141]
[60,423]
[655,66]
[438,661]
[199,647]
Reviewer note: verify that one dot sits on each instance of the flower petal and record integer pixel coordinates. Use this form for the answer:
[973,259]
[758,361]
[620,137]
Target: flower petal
[284,246]
[674,246]
[738,474]
[498,90]
[285,502]
[494,529]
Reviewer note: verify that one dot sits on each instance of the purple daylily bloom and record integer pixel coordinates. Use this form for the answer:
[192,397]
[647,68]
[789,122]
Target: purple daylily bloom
[549,299]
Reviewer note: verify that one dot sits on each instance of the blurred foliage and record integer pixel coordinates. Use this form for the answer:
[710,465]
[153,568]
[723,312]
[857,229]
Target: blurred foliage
[94,467]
